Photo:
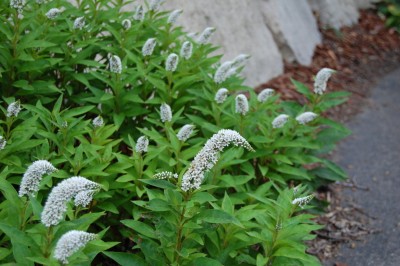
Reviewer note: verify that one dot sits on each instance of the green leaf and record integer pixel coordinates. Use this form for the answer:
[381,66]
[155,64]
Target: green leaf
[217,217]
[158,183]
[140,227]
[205,261]
[125,259]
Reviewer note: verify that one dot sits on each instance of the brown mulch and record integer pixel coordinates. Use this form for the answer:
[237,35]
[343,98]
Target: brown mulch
[360,54]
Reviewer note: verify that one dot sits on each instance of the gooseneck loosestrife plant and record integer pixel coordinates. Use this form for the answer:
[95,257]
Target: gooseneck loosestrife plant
[117,135]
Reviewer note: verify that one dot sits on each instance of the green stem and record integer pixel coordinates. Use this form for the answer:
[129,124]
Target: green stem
[49,238]
[181,223]
[23,213]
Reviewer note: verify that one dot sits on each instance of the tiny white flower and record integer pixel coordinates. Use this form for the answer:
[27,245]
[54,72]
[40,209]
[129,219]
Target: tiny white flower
[264,95]
[149,46]
[174,16]
[280,121]
[185,132]
[172,62]
[71,242]
[221,95]
[240,59]
[13,109]
[321,80]
[186,50]
[139,14]
[79,23]
[31,180]
[165,175]
[3,143]
[242,105]
[126,23]
[205,36]
[98,121]
[53,13]
[209,155]
[306,117]
[221,73]
[165,113]
[142,144]
[302,201]
[17,4]
[56,204]
[155,4]
[115,64]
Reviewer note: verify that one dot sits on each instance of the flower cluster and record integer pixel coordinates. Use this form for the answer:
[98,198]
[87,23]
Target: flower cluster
[222,72]
[98,121]
[53,13]
[79,23]
[221,95]
[280,121]
[33,175]
[306,117]
[71,242]
[302,201]
[126,23]
[242,105]
[3,143]
[165,113]
[115,64]
[17,4]
[174,16]
[155,4]
[13,109]
[142,144]
[186,50]
[264,95]
[185,132]
[139,14]
[240,59]
[149,46]
[205,36]
[172,62]
[165,175]
[76,187]
[321,80]
[208,156]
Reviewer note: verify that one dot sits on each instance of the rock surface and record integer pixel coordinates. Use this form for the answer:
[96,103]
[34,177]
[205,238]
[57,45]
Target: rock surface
[294,28]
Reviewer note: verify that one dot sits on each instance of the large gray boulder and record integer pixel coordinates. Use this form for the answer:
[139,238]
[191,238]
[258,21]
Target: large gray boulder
[294,28]
[240,29]
[336,13]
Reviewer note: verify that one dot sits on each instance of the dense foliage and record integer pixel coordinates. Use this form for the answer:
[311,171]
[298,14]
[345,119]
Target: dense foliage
[391,10]
[120,124]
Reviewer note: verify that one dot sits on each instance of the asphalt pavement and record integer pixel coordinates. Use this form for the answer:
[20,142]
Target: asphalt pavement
[371,156]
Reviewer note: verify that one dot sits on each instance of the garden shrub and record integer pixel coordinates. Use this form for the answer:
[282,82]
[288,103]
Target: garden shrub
[121,124]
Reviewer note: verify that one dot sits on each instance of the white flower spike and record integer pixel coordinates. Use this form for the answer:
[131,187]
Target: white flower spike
[155,4]
[186,50]
[221,95]
[142,144]
[174,16]
[3,143]
[79,23]
[185,132]
[240,59]
[165,113]
[172,62]
[209,155]
[321,80]
[98,121]
[165,175]
[221,73]
[56,204]
[306,117]
[71,242]
[13,109]
[280,121]
[264,95]
[32,177]
[53,13]
[115,64]
[126,23]
[205,36]
[242,104]
[139,14]
[149,46]
[302,201]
